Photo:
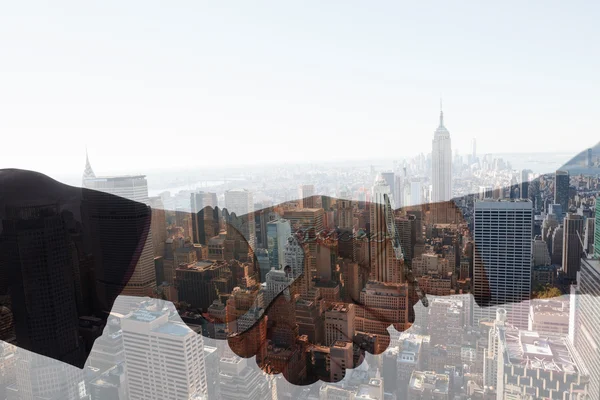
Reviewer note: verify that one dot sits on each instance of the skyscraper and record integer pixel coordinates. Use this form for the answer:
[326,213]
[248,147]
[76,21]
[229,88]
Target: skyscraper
[441,157]
[388,177]
[36,253]
[204,220]
[165,359]
[135,188]
[241,203]
[382,218]
[597,230]
[502,264]
[524,184]
[583,330]
[306,194]
[561,190]
[572,244]
[278,232]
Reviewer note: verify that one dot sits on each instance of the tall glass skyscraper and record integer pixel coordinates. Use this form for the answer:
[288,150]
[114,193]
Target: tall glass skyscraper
[561,190]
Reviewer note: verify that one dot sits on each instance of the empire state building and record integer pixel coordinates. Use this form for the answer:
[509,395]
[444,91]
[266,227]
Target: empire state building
[441,157]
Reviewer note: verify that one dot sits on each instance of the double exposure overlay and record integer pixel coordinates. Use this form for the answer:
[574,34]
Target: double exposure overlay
[478,294]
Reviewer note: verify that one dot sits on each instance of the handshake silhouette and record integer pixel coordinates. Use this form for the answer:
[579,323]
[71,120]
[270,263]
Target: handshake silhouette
[66,253]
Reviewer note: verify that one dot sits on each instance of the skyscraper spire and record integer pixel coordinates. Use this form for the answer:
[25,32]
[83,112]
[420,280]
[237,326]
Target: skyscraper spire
[88,172]
[441,113]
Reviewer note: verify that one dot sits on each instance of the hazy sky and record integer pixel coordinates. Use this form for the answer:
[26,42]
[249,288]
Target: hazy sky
[147,84]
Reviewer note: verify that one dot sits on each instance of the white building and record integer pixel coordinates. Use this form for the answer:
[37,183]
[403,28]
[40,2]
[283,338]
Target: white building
[165,359]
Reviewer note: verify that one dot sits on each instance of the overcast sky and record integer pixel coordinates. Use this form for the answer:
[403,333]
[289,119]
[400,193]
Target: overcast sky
[147,84]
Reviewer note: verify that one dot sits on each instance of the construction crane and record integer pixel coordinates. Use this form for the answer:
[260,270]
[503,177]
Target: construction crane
[408,274]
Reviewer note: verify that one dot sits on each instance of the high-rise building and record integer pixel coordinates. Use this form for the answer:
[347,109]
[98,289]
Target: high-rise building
[36,260]
[572,244]
[278,232]
[241,203]
[135,188]
[441,158]
[240,381]
[583,328]
[165,359]
[306,195]
[561,189]
[588,238]
[597,229]
[39,377]
[158,226]
[524,184]
[388,177]
[510,354]
[557,245]
[339,323]
[383,262]
[204,221]
[503,257]
[311,222]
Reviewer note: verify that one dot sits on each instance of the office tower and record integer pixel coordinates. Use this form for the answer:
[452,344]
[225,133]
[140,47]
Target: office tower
[486,192]
[541,256]
[339,323]
[241,203]
[583,329]
[388,177]
[549,316]
[204,221]
[38,377]
[165,359]
[310,222]
[158,226]
[561,189]
[108,349]
[37,261]
[341,357]
[240,381]
[277,281]
[524,184]
[502,263]
[441,158]
[572,245]
[306,195]
[588,239]
[310,320]
[557,245]
[278,232]
[597,229]
[200,283]
[416,194]
[381,305]
[548,360]
[111,384]
[383,262]
[135,188]
[345,214]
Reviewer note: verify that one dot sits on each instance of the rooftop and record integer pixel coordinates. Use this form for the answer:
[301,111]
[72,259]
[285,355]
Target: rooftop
[173,328]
